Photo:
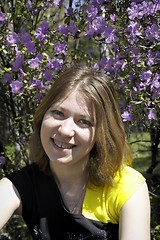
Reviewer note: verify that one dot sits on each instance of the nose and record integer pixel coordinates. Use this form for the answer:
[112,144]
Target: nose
[67,127]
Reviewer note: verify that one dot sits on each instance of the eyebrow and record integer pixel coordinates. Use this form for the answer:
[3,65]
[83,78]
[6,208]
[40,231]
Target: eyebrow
[88,116]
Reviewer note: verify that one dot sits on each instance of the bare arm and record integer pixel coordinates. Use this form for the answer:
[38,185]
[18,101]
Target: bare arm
[135,216]
[9,201]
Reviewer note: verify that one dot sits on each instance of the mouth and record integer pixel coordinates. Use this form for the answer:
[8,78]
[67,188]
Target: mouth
[62,145]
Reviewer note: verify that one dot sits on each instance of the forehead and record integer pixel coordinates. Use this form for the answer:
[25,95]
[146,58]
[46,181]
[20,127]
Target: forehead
[75,99]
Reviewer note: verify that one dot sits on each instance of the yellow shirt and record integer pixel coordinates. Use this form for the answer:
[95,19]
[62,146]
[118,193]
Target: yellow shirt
[104,203]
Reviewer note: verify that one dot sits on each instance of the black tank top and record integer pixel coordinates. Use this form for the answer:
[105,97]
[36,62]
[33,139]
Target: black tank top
[45,214]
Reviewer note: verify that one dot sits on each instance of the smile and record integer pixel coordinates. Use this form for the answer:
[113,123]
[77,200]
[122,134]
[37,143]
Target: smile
[63,145]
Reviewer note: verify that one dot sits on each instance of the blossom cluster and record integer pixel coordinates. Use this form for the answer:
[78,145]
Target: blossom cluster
[25,48]
[139,56]
[128,45]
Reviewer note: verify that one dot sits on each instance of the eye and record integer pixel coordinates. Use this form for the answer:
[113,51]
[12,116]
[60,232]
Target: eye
[85,123]
[57,114]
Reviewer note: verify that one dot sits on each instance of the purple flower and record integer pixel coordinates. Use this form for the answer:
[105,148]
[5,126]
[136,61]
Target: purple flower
[152,114]
[118,62]
[150,8]
[134,92]
[96,26]
[16,86]
[30,47]
[92,11]
[135,54]
[149,104]
[109,34]
[113,17]
[155,86]
[7,78]
[26,37]
[106,64]
[2,160]
[39,96]
[98,2]
[90,30]
[23,140]
[69,11]
[30,5]
[143,9]
[72,28]
[48,74]
[34,62]
[135,11]
[40,35]
[58,3]
[50,63]
[18,63]
[141,86]
[96,67]
[101,1]
[42,31]
[132,77]
[23,74]
[3,18]
[63,29]
[153,33]
[36,84]
[57,64]
[13,39]
[153,58]
[126,116]
[135,51]
[60,48]
[146,76]
[26,40]
[121,84]
[156,81]
[44,26]
[134,30]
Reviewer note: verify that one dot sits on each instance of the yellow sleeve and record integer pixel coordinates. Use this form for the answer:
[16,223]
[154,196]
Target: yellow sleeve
[126,185]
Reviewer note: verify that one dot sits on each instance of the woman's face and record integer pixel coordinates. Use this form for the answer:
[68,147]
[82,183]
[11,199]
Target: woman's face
[68,130]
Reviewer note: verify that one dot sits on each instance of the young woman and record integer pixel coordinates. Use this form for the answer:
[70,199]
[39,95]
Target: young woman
[79,184]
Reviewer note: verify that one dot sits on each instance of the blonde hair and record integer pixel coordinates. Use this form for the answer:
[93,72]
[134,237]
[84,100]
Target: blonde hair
[111,150]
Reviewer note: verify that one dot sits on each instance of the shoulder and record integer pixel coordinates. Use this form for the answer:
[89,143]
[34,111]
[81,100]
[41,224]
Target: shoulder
[9,200]
[127,176]
[127,182]
[31,183]
[26,180]
[24,174]
[28,175]
[135,216]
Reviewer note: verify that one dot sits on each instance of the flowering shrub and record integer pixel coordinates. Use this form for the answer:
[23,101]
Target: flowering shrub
[38,38]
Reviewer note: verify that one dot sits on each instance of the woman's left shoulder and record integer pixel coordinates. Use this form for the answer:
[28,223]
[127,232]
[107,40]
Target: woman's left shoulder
[128,175]
[127,182]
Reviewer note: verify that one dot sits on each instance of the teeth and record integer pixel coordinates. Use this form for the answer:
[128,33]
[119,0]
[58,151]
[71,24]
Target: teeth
[63,146]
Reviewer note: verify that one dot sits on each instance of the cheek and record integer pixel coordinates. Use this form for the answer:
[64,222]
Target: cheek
[88,136]
[45,129]
[47,124]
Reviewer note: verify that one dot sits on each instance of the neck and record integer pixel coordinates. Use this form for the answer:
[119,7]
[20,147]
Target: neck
[72,184]
[68,177]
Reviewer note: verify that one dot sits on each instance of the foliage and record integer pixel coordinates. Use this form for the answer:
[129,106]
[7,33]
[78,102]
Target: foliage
[156,233]
[15,229]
